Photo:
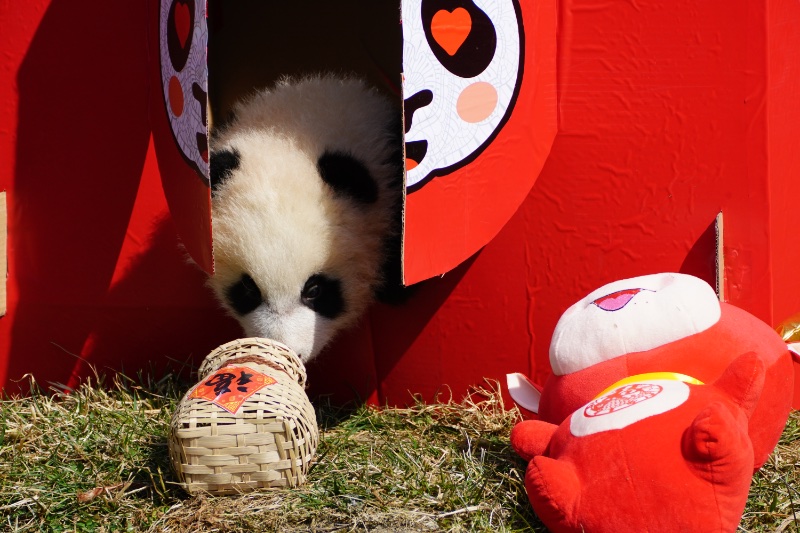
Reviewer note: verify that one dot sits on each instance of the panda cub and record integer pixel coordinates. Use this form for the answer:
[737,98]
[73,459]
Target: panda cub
[306,196]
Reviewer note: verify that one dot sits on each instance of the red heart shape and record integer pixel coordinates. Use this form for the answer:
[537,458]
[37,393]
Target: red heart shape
[451,28]
[182,22]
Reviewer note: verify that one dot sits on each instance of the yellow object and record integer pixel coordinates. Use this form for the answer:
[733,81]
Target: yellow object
[650,376]
[789,329]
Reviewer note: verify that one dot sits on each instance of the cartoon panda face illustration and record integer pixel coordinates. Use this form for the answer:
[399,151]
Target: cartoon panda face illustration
[462,63]
[183,35]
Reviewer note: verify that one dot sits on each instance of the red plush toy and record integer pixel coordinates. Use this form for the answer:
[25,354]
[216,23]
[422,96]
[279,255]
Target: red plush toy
[629,438]
[655,456]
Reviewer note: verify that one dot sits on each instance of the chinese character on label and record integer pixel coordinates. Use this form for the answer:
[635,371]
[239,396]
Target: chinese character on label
[229,387]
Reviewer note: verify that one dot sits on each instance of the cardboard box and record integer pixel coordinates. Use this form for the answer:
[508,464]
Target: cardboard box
[475,147]
[485,73]
[632,127]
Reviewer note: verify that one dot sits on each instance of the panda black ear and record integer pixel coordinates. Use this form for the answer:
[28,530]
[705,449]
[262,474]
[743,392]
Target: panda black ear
[221,165]
[348,176]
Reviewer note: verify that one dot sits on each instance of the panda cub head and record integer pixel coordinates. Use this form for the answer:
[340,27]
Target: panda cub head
[306,190]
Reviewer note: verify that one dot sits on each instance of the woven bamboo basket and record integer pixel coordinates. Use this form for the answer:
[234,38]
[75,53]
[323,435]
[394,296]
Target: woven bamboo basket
[247,424]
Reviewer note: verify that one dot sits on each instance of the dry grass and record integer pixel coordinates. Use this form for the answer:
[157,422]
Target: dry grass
[774,503]
[96,460]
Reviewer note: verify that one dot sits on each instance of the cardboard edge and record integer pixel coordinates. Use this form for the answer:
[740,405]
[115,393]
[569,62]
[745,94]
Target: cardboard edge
[720,262]
[794,350]
[3,252]
[405,182]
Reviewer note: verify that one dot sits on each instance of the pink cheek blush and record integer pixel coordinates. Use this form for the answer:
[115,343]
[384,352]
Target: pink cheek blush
[476,102]
[175,96]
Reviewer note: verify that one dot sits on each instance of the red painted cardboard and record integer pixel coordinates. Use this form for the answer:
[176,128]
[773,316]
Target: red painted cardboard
[487,130]
[663,123]
[668,113]
[95,273]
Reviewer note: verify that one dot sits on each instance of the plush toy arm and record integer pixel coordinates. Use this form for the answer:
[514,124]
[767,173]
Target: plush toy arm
[717,447]
[530,438]
[718,436]
[554,491]
[743,381]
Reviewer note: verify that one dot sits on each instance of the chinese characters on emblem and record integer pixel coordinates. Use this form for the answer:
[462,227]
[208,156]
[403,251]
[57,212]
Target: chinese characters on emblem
[229,387]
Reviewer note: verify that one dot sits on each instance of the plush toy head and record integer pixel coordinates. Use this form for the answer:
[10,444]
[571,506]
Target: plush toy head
[671,324]
[631,315]
[656,455]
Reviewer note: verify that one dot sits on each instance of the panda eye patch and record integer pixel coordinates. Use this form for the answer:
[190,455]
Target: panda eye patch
[323,295]
[348,176]
[244,295]
[221,166]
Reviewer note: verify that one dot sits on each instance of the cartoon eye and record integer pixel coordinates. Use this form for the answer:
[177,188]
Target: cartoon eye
[180,22]
[460,35]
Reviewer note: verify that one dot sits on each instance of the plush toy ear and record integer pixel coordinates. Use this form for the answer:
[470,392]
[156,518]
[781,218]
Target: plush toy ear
[524,392]
[717,435]
[718,449]
[717,445]
[530,438]
[554,492]
[743,381]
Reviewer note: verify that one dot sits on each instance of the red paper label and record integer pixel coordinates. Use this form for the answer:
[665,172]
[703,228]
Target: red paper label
[622,398]
[229,387]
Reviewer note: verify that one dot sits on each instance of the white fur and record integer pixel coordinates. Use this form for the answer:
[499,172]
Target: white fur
[276,220]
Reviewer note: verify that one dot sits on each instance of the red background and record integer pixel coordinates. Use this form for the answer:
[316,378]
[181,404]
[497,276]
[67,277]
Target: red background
[668,112]
[94,265]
